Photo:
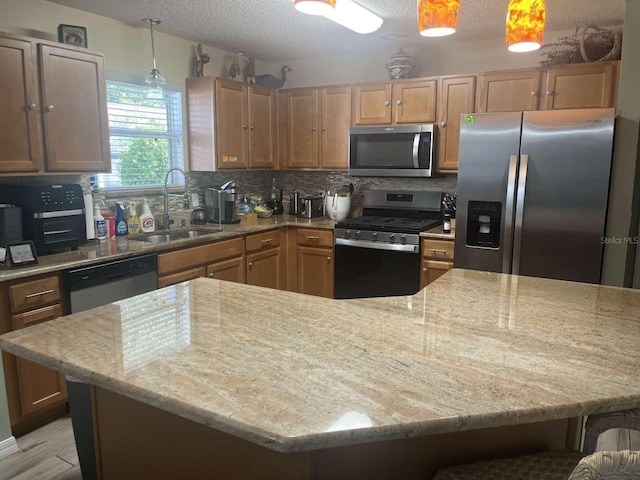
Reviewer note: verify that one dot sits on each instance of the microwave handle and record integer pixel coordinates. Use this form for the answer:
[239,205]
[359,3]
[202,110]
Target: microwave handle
[416,150]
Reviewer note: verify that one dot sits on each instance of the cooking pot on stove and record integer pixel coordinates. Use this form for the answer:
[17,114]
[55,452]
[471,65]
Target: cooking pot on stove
[198,216]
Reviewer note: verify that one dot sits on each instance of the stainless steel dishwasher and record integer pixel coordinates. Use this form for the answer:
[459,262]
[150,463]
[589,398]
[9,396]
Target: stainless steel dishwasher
[90,287]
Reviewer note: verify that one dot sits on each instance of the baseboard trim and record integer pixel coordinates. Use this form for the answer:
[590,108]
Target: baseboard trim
[8,446]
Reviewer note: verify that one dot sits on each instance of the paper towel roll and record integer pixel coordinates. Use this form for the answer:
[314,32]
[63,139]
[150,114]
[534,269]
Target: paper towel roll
[88,215]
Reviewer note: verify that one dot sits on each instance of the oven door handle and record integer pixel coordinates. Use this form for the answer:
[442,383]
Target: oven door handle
[395,247]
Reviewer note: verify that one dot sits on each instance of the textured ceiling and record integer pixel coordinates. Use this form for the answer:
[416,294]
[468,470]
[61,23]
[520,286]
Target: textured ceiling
[273,31]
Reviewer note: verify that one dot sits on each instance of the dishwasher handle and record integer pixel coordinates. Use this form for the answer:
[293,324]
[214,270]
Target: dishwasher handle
[102,273]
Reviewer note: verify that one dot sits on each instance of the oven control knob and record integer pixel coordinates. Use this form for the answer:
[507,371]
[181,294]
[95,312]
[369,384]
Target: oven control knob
[403,239]
[357,235]
[374,236]
[347,233]
[392,237]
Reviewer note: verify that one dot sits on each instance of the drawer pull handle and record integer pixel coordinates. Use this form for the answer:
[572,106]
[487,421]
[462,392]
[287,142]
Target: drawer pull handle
[267,240]
[312,237]
[212,274]
[50,108]
[250,264]
[56,232]
[32,106]
[39,294]
[425,269]
[438,250]
[328,259]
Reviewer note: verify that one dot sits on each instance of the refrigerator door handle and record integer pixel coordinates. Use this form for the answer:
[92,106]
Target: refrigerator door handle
[416,150]
[507,241]
[517,237]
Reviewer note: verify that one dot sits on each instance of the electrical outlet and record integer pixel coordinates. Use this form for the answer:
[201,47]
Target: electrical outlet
[195,200]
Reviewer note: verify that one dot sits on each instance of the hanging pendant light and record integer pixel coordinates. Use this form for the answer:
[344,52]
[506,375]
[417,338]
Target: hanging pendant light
[154,79]
[525,25]
[437,18]
[315,7]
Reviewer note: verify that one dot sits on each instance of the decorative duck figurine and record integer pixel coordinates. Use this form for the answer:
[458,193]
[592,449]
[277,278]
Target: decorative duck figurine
[272,81]
[234,69]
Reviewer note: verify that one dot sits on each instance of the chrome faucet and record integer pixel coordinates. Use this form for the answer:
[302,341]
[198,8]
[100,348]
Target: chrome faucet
[166,219]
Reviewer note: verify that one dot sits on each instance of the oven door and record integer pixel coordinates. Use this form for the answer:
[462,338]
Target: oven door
[369,271]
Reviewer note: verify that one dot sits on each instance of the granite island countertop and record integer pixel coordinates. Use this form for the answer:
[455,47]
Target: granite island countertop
[294,372]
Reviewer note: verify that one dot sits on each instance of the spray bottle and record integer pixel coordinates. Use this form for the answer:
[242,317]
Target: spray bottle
[98,219]
[121,221]
[133,222]
[147,222]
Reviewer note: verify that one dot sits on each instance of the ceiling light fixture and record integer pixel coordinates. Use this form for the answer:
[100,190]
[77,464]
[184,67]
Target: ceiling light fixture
[437,18]
[315,7]
[154,79]
[525,25]
[344,12]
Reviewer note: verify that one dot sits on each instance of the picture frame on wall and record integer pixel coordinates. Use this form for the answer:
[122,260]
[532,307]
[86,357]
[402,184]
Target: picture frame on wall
[73,35]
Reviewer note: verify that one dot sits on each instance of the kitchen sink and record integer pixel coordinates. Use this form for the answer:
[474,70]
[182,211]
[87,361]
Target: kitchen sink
[168,236]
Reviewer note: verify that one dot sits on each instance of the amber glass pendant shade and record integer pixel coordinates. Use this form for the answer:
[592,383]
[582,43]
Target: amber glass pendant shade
[525,25]
[315,7]
[437,18]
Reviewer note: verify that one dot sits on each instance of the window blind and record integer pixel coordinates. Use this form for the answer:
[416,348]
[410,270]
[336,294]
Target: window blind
[145,137]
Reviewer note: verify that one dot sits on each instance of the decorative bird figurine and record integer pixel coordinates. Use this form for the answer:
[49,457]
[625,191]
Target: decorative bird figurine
[234,69]
[250,71]
[272,81]
[201,59]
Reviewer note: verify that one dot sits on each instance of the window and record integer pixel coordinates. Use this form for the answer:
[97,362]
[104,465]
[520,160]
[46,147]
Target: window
[145,137]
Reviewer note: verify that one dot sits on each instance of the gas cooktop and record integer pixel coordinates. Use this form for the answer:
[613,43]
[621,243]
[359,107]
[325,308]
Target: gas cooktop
[388,224]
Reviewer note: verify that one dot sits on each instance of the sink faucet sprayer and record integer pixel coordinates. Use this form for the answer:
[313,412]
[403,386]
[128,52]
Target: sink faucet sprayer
[166,220]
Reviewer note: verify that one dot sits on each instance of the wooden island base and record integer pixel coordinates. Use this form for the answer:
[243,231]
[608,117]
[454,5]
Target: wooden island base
[137,441]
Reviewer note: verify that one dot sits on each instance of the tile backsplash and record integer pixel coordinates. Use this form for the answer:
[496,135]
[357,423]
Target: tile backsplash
[254,184]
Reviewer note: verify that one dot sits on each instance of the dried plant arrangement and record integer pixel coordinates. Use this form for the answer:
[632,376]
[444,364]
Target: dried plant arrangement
[592,44]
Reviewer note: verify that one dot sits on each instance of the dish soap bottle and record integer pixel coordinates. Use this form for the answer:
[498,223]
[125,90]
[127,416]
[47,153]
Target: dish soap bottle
[121,221]
[133,222]
[147,222]
[99,221]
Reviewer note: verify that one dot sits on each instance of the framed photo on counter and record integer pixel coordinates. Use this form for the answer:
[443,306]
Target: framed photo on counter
[73,35]
[21,254]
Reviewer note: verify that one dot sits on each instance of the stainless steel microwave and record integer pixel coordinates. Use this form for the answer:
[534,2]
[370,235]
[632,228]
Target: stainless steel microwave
[393,151]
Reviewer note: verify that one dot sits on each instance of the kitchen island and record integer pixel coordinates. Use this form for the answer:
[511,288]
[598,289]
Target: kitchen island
[247,382]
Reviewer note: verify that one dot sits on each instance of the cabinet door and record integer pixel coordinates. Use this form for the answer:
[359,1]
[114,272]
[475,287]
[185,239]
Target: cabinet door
[457,96]
[303,128]
[315,271]
[74,106]
[174,278]
[432,270]
[232,125]
[583,85]
[414,101]
[335,120]
[508,91]
[263,269]
[40,387]
[372,104]
[20,131]
[262,127]
[231,270]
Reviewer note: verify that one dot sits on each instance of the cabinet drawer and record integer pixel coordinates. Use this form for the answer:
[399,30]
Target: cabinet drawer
[181,277]
[33,317]
[34,294]
[195,256]
[263,241]
[315,238]
[437,249]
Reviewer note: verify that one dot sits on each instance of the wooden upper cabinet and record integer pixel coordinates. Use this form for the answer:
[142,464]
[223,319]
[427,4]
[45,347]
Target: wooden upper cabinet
[20,131]
[508,91]
[335,121]
[456,97]
[372,104]
[302,114]
[262,127]
[581,85]
[414,101]
[74,101]
[400,102]
[232,125]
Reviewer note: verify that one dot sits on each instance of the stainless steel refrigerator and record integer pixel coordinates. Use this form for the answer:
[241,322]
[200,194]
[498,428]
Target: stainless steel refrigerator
[532,192]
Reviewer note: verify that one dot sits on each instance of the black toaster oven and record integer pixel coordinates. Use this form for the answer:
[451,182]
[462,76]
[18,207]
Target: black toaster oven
[53,215]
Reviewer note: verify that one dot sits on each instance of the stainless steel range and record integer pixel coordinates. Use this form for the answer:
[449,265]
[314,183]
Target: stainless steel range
[378,254]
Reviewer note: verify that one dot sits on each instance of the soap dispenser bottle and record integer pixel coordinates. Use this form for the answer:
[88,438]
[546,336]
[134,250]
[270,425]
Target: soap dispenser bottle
[121,221]
[147,222]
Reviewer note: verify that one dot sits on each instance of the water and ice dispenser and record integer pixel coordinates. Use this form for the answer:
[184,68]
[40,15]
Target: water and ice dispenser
[483,224]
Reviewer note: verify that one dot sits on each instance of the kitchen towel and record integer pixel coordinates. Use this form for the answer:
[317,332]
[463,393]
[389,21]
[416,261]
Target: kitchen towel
[88,215]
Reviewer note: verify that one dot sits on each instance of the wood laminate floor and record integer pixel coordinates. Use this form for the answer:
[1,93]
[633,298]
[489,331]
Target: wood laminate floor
[48,453]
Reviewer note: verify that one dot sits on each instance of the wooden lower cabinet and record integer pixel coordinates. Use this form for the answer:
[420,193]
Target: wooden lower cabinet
[230,270]
[437,259]
[265,263]
[35,394]
[315,271]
